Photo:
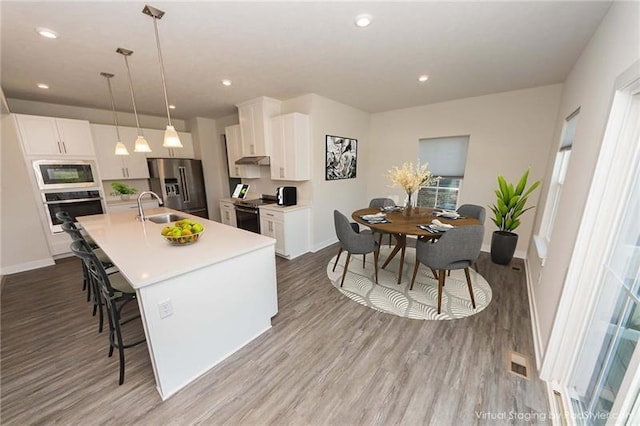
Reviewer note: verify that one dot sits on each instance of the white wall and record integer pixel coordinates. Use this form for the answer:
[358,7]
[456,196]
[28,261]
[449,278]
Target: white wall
[206,135]
[23,243]
[508,132]
[612,49]
[329,117]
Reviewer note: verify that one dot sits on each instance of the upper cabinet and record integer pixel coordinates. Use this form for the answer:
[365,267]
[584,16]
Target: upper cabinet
[55,136]
[234,152]
[290,149]
[112,166]
[156,139]
[255,131]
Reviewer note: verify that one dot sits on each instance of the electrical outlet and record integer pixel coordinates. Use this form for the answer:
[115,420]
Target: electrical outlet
[165,308]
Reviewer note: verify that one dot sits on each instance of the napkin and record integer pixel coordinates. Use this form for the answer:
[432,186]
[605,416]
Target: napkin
[377,216]
[448,214]
[441,226]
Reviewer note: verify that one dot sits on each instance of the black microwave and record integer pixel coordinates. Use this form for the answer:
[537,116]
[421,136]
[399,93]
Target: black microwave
[63,174]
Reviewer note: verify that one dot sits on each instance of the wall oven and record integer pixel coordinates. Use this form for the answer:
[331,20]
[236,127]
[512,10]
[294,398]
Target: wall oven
[65,174]
[76,203]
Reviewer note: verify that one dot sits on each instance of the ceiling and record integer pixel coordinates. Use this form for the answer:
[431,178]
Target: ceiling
[286,49]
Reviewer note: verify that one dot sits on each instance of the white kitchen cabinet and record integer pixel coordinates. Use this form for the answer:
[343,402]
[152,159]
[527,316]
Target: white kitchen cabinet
[289,226]
[290,147]
[155,138]
[55,136]
[112,166]
[234,152]
[255,126]
[228,213]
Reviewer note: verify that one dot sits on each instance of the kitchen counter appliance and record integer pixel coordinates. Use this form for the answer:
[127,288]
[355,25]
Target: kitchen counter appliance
[287,195]
[248,212]
[180,182]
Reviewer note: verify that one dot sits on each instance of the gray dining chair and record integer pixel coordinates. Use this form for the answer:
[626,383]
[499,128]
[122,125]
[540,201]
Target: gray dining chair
[378,203]
[354,243]
[475,211]
[458,248]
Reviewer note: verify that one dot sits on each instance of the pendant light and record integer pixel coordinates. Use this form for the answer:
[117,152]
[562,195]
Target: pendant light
[120,148]
[141,144]
[171,139]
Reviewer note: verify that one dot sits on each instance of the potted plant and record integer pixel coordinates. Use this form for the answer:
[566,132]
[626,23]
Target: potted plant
[509,206]
[123,190]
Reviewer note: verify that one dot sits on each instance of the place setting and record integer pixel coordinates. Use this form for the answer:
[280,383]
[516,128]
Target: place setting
[377,218]
[436,227]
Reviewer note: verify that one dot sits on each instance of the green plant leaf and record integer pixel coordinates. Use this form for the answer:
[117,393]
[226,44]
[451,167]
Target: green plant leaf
[523,182]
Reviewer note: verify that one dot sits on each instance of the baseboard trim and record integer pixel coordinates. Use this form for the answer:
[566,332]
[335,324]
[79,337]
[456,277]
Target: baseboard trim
[324,244]
[27,266]
[533,309]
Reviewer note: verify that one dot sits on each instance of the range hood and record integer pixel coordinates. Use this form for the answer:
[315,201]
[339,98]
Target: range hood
[260,160]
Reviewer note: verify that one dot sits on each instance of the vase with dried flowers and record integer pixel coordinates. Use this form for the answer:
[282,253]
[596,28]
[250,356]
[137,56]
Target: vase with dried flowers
[411,178]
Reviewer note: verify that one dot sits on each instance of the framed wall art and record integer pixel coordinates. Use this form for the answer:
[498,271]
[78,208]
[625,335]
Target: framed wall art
[341,157]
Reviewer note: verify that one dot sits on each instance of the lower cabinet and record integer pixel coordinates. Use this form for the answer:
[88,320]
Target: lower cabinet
[289,226]
[124,206]
[228,213]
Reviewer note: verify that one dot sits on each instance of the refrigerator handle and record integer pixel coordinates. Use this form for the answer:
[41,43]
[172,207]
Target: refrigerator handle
[186,197]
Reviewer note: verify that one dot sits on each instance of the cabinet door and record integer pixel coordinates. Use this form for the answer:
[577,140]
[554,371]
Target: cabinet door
[187,147]
[75,137]
[155,138]
[39,135]
[279,233]
[247,118]
[135,164]
[278,153]
[232,134]
[111,166]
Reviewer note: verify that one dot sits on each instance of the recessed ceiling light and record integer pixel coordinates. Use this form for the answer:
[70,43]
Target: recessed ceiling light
[423,78]
[43,86]
[47,33]
[172,107]
[363,20]
[226,82]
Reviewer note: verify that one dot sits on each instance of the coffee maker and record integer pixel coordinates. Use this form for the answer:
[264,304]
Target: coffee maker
[286,195]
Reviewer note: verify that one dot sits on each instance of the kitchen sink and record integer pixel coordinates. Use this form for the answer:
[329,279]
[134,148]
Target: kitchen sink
[165,218]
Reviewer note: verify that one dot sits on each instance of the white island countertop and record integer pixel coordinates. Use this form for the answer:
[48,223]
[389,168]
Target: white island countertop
[144,257]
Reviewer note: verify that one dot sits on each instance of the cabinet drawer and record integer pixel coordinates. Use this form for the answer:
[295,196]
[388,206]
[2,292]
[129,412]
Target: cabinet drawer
[277,216]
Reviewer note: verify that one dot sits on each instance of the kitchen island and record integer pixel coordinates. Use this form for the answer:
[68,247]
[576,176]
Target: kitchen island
[200,302]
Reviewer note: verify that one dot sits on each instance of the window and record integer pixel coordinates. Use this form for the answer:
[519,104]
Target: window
[557,182]
[446,158]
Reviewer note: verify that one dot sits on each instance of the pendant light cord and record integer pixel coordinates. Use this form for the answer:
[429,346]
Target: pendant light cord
[113,107]
[133,98]
[164,84]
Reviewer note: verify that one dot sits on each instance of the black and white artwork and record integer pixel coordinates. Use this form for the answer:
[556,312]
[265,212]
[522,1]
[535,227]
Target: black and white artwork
[341,158]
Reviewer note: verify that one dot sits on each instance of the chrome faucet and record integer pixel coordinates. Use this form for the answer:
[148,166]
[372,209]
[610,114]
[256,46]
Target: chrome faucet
[140,209]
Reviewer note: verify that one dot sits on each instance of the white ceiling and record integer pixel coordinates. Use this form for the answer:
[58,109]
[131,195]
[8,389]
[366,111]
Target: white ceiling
[285,49]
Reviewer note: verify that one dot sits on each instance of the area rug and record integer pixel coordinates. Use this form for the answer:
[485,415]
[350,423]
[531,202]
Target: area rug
[421,302]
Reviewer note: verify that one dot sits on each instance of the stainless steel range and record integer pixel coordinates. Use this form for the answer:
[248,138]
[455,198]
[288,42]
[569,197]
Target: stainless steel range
[248,212]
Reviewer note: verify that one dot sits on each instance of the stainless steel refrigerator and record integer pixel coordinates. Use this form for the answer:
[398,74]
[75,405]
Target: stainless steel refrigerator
[180,183]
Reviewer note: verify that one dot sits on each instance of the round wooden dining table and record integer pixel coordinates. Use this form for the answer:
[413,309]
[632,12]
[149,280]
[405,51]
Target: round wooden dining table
[402,223]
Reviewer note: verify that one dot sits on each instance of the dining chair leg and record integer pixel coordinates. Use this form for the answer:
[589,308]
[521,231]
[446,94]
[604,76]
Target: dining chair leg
[364,256]
[441,278]
[346,266]
[337,258]
[389,240]
[435,274]
[376,254]
[473,302]
[380,239]
[475,266]
[415,273]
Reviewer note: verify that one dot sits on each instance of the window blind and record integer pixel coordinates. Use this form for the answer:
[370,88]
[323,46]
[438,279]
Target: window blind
[446,156]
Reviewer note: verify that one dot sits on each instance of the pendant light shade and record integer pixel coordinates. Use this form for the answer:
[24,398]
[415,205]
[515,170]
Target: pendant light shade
[171,139]
[141,144]
[120,148]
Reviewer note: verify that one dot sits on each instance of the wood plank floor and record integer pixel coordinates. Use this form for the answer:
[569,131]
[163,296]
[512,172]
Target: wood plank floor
[327,360]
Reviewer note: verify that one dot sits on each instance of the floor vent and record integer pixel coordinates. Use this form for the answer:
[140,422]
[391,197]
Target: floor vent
[518,365]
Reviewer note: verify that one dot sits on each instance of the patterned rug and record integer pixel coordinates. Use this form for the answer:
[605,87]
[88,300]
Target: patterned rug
[420,303]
